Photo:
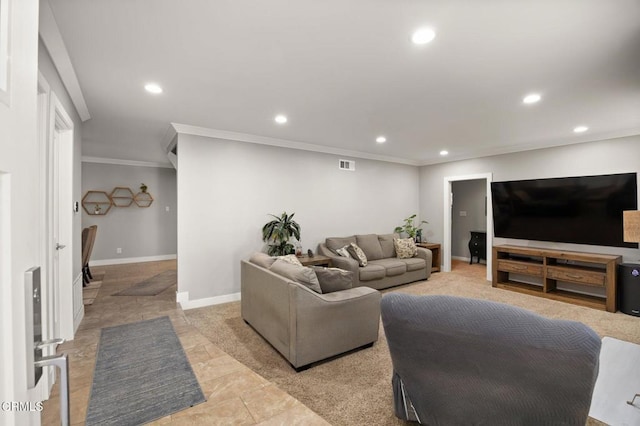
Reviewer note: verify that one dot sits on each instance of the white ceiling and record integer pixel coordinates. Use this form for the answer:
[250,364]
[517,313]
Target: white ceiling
[345,71]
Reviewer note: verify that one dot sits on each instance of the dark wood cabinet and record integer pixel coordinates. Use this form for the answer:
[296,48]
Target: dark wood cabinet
[478,246]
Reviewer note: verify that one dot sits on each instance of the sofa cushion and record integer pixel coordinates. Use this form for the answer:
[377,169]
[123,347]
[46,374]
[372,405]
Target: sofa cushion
[370,246]
[372,272]
[333,279]
[392,266]
[386,244]
[414,263]
[334,243]
[356,252]
[290,258]
[301,274]
[405,248]
[262,259]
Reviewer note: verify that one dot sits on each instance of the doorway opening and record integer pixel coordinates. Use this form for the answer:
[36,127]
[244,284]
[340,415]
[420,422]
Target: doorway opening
[479,223]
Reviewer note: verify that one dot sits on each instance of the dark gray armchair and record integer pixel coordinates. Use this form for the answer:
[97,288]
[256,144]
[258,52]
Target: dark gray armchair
[459,361]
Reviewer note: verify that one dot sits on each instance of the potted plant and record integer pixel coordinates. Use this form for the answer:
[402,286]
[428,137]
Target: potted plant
[143,187]
[278,232]
[409,228]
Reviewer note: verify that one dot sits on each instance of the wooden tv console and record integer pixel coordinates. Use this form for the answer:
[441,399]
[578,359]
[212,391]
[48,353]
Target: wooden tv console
[551,266]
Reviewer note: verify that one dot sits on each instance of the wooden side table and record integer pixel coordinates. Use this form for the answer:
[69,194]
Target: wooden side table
[316,260]
[435,251]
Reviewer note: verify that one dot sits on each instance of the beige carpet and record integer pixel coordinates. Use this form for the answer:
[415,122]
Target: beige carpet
[355,389]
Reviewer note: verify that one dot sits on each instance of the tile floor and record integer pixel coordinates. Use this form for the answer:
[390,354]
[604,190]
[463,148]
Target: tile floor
[235,394]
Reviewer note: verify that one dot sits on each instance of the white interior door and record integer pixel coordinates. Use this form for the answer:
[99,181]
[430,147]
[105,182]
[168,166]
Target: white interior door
[66,293]
[56,146]
[56,159]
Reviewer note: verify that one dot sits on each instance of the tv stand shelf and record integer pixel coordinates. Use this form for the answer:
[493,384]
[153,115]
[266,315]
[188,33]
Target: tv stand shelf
[551,266]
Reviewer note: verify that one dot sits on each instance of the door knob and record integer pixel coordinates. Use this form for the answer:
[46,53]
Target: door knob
[60,246]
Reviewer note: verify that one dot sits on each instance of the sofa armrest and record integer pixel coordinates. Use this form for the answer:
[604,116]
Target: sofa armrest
[346,264]
[427,255]
[324,325]
[342,262]
[265,304]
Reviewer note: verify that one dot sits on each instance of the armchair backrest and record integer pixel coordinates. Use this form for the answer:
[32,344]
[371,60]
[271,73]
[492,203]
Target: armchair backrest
[468,361]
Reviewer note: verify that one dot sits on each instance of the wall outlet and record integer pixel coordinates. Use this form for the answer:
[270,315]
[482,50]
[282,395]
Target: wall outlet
[166,208]
[463,213]
[118,250]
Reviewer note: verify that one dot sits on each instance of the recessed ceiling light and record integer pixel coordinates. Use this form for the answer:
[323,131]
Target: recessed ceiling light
[423,35]
[580,129]
[281,119]
[381,139]
[531,98]
[444,152]
[153,88]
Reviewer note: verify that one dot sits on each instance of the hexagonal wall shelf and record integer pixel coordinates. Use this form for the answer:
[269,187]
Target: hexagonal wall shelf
[143,199]
[96,203]
[121,196]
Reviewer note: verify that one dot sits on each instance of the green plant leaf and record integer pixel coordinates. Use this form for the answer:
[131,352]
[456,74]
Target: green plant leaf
[279,231]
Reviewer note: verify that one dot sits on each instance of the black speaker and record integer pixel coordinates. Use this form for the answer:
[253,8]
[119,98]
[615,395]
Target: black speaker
[629,288]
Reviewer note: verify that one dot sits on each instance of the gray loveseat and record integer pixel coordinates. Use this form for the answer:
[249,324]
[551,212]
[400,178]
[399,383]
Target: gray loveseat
[303,325]
[383,268]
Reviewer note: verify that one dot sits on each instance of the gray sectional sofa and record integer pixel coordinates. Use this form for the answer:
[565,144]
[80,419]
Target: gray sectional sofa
[301,324]
[383,268]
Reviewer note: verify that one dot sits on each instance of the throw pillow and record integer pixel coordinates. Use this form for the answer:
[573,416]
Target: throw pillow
[333,279]
[301,274]
[262,259]
[291,258]
[357,253]
[405,248]
[342,251]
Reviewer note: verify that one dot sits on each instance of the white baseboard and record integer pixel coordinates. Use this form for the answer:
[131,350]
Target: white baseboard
[122,261]
[183,299]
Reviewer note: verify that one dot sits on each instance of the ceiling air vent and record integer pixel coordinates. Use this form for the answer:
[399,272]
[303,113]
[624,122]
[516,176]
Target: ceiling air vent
[349,165]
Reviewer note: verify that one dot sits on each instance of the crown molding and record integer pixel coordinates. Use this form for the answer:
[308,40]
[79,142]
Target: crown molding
[170,140]
[489,152]
[119,162]
[282,143]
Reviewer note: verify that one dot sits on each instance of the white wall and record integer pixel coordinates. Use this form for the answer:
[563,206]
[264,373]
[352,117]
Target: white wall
[227,189]
[593,158]
[19,203]
[141,232]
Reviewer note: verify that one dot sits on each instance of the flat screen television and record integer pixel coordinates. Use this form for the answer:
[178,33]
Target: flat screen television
[579,210]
